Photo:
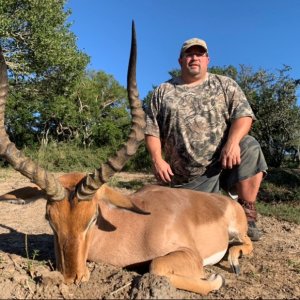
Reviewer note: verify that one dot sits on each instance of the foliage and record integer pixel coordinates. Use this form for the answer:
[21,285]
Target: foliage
[131,185]
[279,194]
[280,185]
[140,162]
[95,114]
[51,98]
[68,157]
[43,59]
[37,42]
[283,211]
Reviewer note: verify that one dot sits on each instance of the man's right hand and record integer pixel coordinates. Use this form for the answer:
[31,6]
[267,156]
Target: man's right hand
[162,170]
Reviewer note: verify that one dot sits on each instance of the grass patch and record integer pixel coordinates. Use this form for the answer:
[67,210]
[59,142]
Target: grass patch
[30,260]
[280,185]
[284,211]
[279,195]
[58,157]
[294,265]
[131,185]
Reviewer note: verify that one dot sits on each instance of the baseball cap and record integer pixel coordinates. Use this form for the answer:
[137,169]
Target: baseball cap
[193,42]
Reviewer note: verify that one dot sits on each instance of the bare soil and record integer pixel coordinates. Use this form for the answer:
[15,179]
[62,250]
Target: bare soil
[27,261]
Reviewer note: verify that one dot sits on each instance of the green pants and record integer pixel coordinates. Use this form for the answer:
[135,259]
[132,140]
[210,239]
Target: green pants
[216,178]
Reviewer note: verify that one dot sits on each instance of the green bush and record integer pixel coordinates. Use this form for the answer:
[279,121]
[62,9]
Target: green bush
[279,195]
[280,185]
[141,161]
[63,157]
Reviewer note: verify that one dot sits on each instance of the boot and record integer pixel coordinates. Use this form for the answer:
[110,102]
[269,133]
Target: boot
[254,233]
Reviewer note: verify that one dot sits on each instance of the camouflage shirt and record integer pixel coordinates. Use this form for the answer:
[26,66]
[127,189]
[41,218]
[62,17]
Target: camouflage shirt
[192,122]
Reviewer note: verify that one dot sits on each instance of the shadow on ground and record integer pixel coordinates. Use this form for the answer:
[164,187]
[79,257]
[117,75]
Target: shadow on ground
[37,246]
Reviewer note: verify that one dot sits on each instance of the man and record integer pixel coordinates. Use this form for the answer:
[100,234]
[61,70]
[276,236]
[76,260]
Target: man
[197,133]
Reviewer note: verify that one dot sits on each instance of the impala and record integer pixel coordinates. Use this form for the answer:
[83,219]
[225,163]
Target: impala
[179,231]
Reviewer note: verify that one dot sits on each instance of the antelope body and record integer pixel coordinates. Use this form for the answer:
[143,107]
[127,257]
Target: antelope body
[179,231]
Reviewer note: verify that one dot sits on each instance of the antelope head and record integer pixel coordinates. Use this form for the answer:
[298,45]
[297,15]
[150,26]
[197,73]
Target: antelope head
[72,207]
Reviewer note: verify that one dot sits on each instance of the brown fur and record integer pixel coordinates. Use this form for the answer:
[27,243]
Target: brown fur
[182,229]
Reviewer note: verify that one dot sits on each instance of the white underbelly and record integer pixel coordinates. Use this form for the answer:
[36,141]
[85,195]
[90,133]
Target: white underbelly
[213,259]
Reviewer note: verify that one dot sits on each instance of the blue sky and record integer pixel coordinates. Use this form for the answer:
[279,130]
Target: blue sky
[258,33]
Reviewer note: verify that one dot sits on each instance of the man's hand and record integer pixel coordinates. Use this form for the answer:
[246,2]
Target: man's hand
[230,155]
[231,152]
[162,170]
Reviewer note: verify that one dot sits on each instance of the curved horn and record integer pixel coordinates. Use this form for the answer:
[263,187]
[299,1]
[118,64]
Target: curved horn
[91,183]
[16,158]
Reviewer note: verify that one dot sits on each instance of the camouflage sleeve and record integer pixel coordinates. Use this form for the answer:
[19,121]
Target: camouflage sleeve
[239,105]
[152,127]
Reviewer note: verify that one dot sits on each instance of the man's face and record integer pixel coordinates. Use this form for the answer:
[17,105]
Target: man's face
[194,62]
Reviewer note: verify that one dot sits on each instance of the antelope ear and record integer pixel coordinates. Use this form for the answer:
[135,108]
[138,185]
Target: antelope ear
[104,224]
[122,201]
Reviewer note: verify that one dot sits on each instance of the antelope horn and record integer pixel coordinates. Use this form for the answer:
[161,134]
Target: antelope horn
[88,186]
[16,158]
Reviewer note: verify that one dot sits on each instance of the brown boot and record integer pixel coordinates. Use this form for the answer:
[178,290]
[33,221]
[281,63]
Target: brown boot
[253,232]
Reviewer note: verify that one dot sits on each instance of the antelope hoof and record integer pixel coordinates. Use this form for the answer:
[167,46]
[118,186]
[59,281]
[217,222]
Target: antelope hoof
[82,278]
[236,269]
[219,278]
[86,276]
[223,281]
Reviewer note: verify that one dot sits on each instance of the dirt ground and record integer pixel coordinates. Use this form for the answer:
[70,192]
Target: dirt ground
[27,261]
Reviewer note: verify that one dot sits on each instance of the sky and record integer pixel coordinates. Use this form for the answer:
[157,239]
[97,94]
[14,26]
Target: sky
[257,33]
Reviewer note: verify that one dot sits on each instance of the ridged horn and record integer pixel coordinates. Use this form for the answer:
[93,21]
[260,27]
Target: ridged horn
[16,158]
[92,182]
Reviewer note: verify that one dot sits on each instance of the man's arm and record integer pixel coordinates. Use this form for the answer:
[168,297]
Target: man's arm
[162,169]
[231,154]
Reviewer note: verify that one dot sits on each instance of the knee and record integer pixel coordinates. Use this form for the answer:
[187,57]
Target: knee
[249,142]
[250,147]
[252,156]
[158,267]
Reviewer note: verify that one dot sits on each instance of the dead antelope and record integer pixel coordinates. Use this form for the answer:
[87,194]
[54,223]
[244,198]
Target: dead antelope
[179,231]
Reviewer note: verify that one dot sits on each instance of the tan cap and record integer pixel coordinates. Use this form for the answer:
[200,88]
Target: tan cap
[193,42]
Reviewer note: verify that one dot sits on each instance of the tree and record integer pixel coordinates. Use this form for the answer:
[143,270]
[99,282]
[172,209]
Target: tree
[94,114]
[273,99]
[43,59]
